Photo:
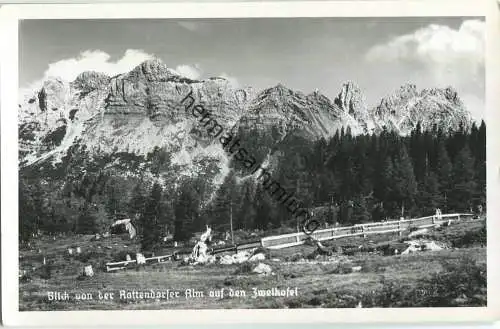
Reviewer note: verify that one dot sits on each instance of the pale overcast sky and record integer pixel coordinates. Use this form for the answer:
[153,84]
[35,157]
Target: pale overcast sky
[379,54]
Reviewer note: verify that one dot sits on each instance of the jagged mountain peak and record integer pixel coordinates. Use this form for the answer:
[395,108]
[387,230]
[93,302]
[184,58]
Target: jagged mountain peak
[88,81]
[153,70]
[317,94]
[352,100]
[287,110]
[279,90]
[408,106]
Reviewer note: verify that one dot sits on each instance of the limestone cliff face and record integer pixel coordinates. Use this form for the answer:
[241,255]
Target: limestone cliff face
[100,118]
[53,117]
[353,102]
[407,107]
[285,111]
[101,121]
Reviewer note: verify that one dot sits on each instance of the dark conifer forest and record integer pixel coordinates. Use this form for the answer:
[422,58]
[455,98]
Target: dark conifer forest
[346,179]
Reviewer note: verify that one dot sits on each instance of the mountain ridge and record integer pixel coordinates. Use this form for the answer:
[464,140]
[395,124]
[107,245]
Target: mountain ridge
[138,115]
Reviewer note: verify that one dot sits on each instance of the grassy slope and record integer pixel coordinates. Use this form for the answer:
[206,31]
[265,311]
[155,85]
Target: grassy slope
[438,278]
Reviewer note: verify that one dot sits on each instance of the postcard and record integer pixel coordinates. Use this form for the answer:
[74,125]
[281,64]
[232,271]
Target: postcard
[299,162]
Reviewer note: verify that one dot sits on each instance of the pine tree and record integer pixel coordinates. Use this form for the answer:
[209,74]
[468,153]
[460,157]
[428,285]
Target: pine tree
[151,220]
[225,199]
[361,213]
[247,211]
[418,152]
[444,173]
[112,201]
[137,203]
[87,221]
[464,184]
[186,213]
[386,188]
[429,195]
[27,214]
[480,147]
[405,182]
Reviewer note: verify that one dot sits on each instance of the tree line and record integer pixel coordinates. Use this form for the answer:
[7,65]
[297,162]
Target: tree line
[345,179]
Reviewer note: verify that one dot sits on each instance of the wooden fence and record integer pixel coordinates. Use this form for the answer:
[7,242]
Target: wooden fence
[116,266]
[295,239]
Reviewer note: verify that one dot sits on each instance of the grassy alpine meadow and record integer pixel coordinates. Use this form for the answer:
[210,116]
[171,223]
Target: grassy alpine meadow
[450,277]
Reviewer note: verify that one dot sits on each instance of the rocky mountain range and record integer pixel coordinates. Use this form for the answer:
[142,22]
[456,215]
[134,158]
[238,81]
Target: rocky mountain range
[120,121]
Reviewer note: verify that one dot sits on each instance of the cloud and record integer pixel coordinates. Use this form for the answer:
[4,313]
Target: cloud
[436,45]
[189,71]
[232,80]
[438,56]
[96,60]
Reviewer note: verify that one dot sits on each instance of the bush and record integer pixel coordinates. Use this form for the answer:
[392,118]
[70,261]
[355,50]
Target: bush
[313,255]
[343,268]
[261,250]
[25,278]
[471,238]
[296,257]
[45,271]
[122,256]
[244,268]
[86,256]
[372,267]
[460,283]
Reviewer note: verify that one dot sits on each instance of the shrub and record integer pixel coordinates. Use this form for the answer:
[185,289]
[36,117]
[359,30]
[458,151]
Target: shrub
[313,254]
[295,303]
[461,283]
[471,238]
[122,255]
[296,257]
[244,268]
[86,256]
[343,268]
[372,266]
[25,278]
[261,250]
[45,271]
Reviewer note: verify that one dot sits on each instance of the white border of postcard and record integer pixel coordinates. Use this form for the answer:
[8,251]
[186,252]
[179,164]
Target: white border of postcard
[9,18]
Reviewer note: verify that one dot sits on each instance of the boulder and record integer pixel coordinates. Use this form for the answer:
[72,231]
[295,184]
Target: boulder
[432,245]
[356,268]
[240,257]
[417,233]
[140,258]
[262,269]
[257,257]
[226,260]
[211,259]
[411,249]
[88,271]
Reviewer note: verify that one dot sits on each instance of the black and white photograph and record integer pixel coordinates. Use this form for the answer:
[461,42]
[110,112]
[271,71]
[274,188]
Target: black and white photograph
[251,163]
